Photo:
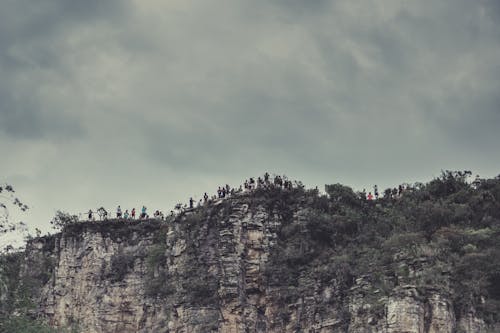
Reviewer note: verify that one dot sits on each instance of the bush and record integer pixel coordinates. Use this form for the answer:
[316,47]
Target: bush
[160,285]
[26,324]
[342,194]
[408,242]
[449,183]
[10,267]
[158,282]
[121,264]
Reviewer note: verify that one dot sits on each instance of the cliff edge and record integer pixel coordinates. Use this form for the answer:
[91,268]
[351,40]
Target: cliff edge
[276,260]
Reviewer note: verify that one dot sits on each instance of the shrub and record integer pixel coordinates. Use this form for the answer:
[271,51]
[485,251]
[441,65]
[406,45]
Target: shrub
[121,264]
[342,194]
[158,281]
[27,324]
[408,242]
[24,324]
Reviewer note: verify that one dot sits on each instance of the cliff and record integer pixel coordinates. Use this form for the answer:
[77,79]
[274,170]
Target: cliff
[277,260]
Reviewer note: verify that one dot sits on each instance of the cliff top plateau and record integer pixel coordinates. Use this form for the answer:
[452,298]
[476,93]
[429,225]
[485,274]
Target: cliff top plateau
[423,258]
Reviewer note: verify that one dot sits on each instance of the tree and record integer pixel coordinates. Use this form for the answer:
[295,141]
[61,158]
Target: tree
[8,200]
[341,193]
[449,182]
[103,214]
[63,219]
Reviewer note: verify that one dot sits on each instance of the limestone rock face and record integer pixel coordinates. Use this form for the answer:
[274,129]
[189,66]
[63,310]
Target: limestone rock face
[405,315]
[205,272]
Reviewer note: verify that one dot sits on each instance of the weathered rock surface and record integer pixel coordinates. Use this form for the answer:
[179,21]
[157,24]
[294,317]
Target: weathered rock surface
[205,272]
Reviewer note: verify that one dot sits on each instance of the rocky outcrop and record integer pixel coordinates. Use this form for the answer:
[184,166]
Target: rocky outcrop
[205,271]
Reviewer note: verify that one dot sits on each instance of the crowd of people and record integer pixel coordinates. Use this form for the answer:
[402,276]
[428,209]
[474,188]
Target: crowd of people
[103,213]
[222,192]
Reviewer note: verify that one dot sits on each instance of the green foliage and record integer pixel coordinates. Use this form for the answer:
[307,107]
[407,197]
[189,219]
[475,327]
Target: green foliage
[18,291]
[198,289]
[191,282]
[19,287]
[342,194]
[121,264]
[63,219]
[159,283]
[449,183]
[156,256]
[10,266]
[404,242]
[26,324]
[441,235]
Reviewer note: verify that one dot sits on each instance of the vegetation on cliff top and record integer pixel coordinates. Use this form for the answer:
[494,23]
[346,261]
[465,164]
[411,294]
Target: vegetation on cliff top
[442,236]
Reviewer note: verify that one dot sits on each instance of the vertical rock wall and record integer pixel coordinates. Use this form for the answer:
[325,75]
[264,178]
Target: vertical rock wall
[214,267]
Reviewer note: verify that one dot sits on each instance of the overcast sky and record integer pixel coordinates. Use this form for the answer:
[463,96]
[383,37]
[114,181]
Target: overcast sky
[149,102]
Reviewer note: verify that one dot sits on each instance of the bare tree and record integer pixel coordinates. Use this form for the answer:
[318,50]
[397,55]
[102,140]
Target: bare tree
[9,201]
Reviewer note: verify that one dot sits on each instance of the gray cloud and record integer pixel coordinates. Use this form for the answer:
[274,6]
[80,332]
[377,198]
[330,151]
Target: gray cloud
[147,101]
[35,42]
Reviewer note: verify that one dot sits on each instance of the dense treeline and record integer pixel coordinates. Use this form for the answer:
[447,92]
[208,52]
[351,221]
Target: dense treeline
[442,235]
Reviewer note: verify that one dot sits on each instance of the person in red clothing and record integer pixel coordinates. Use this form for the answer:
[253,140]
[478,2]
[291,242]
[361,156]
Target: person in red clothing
[133,213]
[370,196]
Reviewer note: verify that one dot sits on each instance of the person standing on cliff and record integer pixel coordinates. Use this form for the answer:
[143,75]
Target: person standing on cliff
[118,212]
[125,215]
[90,214]
[133,213]
[143,212]
[260,182]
